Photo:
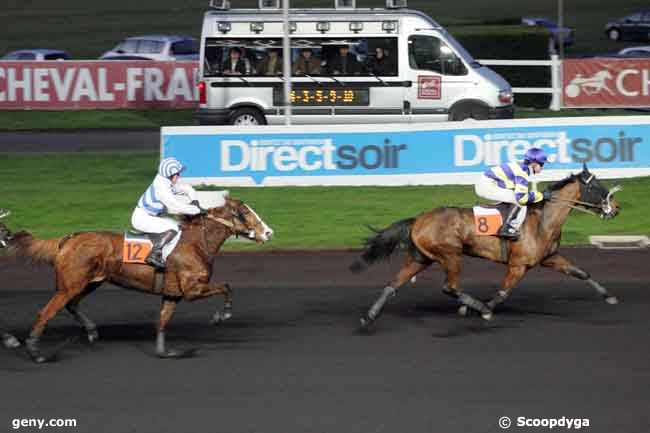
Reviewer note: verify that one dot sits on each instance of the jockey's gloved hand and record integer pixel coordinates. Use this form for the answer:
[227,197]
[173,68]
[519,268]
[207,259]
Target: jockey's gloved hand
[547,195]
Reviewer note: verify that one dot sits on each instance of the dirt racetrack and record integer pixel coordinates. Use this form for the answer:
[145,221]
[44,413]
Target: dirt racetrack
[292,359]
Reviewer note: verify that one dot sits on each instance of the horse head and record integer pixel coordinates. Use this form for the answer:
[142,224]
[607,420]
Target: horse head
[593,195]
[5,235]
[244,220]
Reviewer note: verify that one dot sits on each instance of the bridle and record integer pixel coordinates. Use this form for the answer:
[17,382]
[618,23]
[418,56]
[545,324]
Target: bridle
[231,224]
[605,207]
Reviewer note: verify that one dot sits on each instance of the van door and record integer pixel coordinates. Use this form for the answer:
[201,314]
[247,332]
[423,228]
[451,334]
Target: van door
[438,75]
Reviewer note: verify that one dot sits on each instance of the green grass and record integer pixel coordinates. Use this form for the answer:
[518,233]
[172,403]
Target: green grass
[152,119]
[87,29]
[52,195]
[94,119]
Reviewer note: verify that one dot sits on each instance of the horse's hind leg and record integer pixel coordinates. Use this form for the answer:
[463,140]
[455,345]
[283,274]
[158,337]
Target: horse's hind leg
[79,316]
[561,264]
[451,265]
[408,271]
[67,289]
[56,304]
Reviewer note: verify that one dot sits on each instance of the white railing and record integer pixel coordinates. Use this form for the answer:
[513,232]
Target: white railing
[556,85]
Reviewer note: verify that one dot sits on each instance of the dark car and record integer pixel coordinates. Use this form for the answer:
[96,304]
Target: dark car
[557,32]
[634,27]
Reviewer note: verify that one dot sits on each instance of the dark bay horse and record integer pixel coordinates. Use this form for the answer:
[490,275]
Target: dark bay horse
[444,235]
[83,261]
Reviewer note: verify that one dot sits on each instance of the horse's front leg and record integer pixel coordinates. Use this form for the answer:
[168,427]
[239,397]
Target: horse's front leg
[561,264]
[194,289]
[513,276]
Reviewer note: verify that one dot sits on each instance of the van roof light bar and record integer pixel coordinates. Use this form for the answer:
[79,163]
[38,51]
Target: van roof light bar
[222,5]
[395,4]
[345,4]
[269,4]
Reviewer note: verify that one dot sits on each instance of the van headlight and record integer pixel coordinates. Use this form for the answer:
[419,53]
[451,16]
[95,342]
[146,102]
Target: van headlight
[506,97]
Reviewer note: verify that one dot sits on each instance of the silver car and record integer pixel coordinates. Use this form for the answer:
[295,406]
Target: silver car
[157,47]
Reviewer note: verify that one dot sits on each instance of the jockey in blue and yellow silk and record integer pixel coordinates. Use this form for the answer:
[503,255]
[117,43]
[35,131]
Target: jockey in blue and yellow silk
[509,183]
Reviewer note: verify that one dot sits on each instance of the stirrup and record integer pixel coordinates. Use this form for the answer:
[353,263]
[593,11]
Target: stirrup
[155,259]
[507,232]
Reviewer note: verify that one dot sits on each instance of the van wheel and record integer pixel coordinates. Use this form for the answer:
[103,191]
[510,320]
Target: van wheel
[614,34]
[468,111]
[247,116]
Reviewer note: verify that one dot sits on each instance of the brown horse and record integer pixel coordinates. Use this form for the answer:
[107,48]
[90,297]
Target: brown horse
[443,235]
[83,261]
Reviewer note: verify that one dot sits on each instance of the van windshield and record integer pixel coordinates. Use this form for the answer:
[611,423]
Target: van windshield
[462,52]
[262,57]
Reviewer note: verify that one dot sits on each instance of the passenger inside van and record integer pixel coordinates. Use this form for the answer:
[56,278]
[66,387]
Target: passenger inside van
[234,64]
[307,63]
[343,63]
[382,63]
[212,61]
[272,63]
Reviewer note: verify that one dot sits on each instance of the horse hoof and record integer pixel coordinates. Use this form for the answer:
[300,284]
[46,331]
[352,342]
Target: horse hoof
[10,342]
[463,310]
[221,317]
[92,336]
[365,322]
[176,354]
[611,300]
[487,316]
[413,279]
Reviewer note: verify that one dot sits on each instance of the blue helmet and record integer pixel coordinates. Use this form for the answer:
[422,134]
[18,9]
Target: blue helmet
[169,167]
[535,154]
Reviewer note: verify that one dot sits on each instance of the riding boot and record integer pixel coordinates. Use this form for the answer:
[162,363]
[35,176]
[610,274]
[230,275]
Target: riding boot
[507,231]
[155,257]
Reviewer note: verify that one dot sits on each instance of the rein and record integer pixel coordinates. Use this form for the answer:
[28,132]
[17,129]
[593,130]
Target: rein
[223,221]
[605,206]
[571,203]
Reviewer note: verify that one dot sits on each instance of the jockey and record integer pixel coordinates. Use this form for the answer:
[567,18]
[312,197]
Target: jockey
[161,196]
[508,183]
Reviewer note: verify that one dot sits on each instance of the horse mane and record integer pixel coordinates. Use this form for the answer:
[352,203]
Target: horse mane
[562,183]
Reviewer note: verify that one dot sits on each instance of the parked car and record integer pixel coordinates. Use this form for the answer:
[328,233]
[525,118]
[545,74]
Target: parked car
[36,54]
[157,47]
[557,32]
[125,57]
[637,52]
[631,27]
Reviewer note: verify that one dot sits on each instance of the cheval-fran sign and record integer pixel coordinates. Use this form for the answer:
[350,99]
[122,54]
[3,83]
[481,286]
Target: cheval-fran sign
[606,83]
[404,154]
[61,85]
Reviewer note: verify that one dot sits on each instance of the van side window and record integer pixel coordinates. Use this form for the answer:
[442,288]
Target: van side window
[317,56]
[431,54]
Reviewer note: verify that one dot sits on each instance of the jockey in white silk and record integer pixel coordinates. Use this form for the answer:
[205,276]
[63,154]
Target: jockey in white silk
[163,197]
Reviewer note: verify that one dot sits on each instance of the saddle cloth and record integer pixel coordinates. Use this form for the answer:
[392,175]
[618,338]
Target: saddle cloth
[137,246]
[489,219]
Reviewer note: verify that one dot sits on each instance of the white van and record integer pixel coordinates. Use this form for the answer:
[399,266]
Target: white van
[349,65]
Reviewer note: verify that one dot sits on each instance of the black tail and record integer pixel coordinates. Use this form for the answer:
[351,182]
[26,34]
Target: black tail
[385,243]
